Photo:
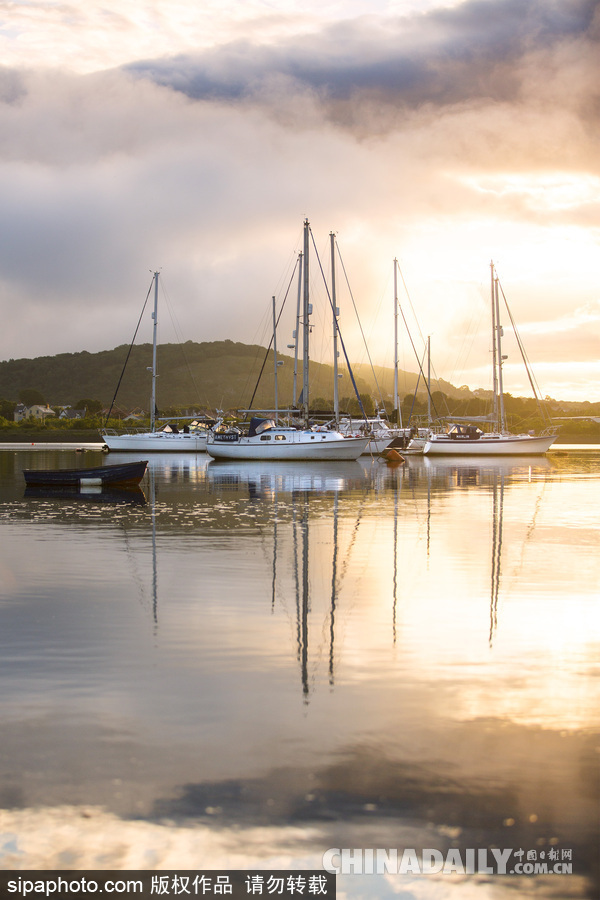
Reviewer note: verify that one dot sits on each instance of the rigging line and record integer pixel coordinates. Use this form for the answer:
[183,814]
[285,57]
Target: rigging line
[464,351]
[258,342]
[520,344]
[337,325]
[272,336]
[128,354]
[353,536]
[410,301]
[414,400]
[528,369]
[532,524]
[418,360]
[413,345]
[178,333]
[292,259]
[417,323]
[359,323]
[377,311]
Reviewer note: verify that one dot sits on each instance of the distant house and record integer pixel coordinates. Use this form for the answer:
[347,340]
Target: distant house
[32,412]
[116,412]
[68,413]
[135,415]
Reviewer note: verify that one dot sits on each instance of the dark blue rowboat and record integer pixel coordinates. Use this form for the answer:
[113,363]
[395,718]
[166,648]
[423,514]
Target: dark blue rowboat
[122,475]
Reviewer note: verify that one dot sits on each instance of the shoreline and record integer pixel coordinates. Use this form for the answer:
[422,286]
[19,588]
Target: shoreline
[52,436]
[99,447]
[91,438]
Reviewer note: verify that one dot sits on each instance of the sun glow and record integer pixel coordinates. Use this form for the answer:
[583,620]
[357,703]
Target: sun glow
[550,192]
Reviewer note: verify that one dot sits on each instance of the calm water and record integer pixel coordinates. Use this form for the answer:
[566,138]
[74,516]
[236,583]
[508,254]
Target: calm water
[247,664]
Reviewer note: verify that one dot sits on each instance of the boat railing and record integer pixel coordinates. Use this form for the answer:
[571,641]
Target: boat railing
[116,432]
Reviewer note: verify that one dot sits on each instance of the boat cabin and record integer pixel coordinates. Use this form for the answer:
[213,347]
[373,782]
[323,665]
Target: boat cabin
[259,426]
[464,432]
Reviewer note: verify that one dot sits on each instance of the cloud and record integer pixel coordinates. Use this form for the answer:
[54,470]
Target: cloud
[447,138]
[470,54]
[583,317]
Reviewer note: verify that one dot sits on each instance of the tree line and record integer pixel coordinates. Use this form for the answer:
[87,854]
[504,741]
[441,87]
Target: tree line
[224,375]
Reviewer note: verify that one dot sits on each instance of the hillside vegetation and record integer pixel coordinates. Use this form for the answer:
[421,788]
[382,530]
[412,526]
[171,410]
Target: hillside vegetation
[222,375]
[213,375]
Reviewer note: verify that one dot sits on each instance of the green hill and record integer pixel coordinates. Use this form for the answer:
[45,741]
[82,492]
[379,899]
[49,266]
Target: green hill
[213,375]
[381,380]
[223,375]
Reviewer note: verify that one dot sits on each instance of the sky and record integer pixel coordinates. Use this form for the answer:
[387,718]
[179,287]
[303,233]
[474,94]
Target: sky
[195,139]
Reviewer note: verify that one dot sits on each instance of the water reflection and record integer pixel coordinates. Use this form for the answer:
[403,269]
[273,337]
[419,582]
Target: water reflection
[87,495]
[294,483]
[291,659]
[497,510]
[262,479]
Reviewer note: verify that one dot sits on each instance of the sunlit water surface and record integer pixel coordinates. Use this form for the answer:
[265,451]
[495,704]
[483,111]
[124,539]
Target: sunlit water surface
[247,664]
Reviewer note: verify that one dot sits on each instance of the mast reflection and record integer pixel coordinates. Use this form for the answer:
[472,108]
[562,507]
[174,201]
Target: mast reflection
[302,484]
[497,475]
[497,516]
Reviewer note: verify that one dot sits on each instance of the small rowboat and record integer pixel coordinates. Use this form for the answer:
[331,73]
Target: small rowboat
[123,475]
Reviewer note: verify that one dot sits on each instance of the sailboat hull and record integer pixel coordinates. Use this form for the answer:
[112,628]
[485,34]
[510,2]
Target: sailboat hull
[287,445]
[156,442]
[488,445]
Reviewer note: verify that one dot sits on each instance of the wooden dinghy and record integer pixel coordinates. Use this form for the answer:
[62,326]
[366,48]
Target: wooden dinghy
[123,475]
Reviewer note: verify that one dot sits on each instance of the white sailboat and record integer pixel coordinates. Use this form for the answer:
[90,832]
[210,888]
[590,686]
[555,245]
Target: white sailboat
[190,439]
[468,439]
[266,439]
[379,431]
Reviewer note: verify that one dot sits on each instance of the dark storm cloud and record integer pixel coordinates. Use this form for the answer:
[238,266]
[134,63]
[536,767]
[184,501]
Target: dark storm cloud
[475,52]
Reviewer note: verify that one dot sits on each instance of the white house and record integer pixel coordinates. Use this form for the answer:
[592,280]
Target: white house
[32,412]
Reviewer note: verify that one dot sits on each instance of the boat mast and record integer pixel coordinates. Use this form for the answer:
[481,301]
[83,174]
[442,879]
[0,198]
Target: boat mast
[275,360]
[297,331]
[494,351]
[154,375]
[428,379]
[501,359]
[396,403]
[306,324]
[336,312]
